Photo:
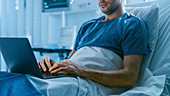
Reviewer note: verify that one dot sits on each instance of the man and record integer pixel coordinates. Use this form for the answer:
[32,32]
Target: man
[118,31]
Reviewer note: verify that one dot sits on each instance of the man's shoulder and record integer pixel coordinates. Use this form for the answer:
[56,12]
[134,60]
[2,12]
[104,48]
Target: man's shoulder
[130,18]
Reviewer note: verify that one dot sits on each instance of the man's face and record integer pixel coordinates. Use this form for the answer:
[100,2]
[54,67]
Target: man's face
[109,6]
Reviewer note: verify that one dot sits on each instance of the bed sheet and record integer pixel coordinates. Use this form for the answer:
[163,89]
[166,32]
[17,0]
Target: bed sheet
[94,57]
[147,85]
[77,86]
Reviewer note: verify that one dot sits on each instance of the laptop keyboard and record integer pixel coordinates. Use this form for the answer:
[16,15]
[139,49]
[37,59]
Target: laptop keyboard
[45,74]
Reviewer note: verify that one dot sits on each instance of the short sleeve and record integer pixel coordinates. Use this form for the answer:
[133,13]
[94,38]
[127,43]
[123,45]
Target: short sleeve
[79,34]
[135,38]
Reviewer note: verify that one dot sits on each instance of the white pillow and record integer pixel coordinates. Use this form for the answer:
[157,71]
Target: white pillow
[150,16]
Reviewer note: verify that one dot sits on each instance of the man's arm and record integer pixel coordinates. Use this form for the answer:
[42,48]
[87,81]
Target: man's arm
[71,54]
[126,76]
[123,77]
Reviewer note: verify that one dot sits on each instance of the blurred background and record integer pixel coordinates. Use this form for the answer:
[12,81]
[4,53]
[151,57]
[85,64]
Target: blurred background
[51,24]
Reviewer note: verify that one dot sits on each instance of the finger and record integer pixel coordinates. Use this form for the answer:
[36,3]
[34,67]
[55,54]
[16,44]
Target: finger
[43,65]
[56,65]
[52,61]
[38,64]
[58,70]
[47,61]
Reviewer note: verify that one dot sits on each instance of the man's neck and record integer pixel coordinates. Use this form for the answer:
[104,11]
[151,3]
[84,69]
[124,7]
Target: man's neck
[118,13]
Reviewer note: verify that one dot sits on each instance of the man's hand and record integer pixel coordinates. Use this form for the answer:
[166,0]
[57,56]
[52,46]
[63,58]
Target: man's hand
[66,66]
[46,63]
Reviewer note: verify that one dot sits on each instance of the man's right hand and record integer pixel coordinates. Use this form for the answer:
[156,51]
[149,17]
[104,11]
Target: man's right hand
[46,63]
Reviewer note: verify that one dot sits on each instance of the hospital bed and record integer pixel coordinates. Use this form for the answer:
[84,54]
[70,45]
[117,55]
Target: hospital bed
[155,75]
[154,79]
[159,64]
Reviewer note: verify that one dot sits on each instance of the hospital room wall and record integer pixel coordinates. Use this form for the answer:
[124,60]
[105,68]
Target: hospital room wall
[25,19]
[28,19]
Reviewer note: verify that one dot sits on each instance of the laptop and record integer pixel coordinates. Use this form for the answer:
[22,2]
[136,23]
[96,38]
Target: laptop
[19,58]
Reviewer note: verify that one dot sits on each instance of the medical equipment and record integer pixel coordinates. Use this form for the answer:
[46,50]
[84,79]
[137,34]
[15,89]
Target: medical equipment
[55,5]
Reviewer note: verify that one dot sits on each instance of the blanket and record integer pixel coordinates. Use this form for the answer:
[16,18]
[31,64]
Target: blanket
[101,59]
[14,84]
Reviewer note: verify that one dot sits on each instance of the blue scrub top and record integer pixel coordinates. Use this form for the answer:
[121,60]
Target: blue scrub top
[125,35]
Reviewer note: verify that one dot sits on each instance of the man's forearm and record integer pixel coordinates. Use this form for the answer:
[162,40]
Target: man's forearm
[126,76]
[71,54]
[109,78]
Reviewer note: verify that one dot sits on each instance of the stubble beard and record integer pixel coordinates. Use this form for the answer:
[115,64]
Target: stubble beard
[110,10]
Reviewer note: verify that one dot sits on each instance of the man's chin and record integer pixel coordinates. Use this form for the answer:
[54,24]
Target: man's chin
[104,11]
[107,13]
